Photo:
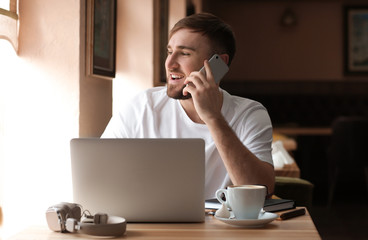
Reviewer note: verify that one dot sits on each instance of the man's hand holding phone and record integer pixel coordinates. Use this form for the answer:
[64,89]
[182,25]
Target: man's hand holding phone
[216,68]
[204,89]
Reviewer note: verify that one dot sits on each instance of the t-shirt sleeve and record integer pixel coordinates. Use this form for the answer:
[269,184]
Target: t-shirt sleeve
[124,123]
[257,134]
[114,129]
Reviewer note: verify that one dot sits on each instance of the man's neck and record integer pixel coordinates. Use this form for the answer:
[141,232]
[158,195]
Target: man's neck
[190,110]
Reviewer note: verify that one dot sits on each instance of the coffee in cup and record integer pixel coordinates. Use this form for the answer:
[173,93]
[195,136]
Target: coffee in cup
[245,201]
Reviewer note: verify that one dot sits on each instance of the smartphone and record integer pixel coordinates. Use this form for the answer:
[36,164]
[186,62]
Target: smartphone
[218,67]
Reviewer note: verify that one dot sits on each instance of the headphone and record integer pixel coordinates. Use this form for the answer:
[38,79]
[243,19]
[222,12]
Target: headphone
[69,217]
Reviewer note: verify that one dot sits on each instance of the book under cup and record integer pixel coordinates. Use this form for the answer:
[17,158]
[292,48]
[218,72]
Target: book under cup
[275,205]
[270,205]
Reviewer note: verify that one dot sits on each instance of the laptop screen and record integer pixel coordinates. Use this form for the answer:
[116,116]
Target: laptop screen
[142,180]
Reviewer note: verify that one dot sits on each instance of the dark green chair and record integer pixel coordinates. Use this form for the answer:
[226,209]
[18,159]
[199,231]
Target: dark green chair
[297,189]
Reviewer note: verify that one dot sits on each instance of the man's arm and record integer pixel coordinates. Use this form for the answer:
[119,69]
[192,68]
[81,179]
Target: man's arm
[242,165]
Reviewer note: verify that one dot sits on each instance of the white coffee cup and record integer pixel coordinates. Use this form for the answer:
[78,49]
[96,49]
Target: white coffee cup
[245,201]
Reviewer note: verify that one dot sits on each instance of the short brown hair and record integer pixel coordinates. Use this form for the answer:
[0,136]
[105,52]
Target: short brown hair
[218,32]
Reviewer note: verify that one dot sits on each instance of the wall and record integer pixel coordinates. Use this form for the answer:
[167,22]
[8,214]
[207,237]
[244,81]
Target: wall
[292,69]
[311,50]
[46,98]
[134,68]
[39,110]
[177,10]
[95,93]
[134,50]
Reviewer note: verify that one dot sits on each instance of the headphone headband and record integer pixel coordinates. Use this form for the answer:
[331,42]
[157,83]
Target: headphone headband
[115,226]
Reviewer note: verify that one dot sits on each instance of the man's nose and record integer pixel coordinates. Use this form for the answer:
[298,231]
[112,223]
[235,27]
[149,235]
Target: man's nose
[171,62]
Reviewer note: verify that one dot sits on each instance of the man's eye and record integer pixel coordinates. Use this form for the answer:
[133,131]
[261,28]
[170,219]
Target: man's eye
[169,52]
[185,54]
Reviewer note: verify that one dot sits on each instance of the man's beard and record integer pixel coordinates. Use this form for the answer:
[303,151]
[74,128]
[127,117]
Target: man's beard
[177,94]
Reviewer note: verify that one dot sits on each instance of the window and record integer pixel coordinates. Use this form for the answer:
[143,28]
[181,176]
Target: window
[9,21]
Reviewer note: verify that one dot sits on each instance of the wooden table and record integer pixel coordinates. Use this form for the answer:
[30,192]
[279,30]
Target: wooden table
[301,227]
[306,131]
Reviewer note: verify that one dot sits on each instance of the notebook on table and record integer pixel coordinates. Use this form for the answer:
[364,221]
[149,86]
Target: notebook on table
[142,180]
[270,205]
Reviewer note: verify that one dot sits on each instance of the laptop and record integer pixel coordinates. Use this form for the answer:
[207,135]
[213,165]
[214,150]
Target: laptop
[141,180]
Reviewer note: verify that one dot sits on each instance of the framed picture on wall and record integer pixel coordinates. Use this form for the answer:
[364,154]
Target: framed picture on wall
[356,39]
[101,38]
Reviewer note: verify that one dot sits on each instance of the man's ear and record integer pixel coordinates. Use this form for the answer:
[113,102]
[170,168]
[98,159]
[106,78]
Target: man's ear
[225,58]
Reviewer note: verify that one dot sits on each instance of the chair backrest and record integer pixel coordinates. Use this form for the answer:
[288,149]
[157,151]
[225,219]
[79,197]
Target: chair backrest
[349,140]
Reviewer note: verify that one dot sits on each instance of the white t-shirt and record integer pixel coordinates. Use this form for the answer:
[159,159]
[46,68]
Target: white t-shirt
[152,114]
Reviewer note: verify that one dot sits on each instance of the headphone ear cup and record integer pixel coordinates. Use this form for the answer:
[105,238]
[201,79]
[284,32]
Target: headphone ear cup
[75,211]
[57,214]
[54,220]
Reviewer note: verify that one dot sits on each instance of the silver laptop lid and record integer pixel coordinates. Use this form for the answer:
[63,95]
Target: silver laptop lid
[142,180]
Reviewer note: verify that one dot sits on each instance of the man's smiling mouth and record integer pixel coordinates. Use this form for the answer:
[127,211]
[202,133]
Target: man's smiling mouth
[176,76]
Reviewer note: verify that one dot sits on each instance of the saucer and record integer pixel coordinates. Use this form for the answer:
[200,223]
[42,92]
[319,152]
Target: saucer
[263,219]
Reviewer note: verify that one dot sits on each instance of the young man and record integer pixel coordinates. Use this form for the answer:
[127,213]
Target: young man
[237,131]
